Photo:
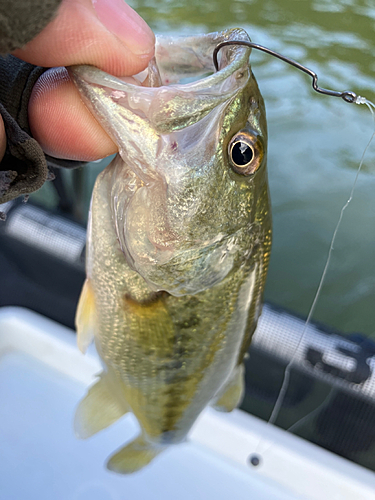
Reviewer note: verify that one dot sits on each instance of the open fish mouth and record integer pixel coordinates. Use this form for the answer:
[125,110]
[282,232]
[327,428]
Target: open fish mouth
[170,142]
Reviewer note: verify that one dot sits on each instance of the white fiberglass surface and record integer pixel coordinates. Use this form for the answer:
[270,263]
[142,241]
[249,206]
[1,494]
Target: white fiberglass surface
[40,458]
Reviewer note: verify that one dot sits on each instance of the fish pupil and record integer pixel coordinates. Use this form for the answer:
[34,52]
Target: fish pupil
[242,154]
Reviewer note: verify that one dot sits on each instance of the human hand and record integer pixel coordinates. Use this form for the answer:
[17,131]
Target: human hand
[105,33]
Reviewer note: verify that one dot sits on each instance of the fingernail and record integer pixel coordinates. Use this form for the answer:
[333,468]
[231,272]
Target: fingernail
[126,24]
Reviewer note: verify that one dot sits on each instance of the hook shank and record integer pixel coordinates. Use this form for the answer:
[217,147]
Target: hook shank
[347,95]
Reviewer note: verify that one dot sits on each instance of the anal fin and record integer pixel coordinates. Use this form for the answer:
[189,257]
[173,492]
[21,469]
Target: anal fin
[85,317]
[100,408]
[231,394]
[134,456]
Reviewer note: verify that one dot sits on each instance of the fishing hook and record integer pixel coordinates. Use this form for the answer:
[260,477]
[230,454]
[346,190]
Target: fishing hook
[347,95]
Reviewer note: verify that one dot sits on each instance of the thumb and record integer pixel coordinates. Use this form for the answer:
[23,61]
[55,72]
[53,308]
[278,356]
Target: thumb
[105,33]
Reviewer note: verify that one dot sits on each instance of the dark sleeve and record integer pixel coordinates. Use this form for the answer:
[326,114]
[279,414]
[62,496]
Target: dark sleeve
[24,166]
[23,169]
[22,20]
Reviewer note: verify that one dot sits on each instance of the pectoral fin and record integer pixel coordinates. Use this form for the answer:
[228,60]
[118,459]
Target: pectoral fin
[231,395]
[85,317]
[100,408]
[134,456]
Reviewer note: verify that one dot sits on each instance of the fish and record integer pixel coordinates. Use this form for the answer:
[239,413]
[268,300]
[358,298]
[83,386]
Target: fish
[178,241]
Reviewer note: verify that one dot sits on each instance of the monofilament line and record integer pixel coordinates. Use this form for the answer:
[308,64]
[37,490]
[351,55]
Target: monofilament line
[286,378]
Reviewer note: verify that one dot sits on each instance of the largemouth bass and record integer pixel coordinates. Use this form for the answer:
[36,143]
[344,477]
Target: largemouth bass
[179,239]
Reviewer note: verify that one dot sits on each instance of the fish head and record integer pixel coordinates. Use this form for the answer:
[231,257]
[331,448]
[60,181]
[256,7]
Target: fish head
[189,186]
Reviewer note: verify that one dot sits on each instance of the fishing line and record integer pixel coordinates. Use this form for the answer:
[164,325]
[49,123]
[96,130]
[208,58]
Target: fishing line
[313,412]
[350,97]
[283,389]
[286,378]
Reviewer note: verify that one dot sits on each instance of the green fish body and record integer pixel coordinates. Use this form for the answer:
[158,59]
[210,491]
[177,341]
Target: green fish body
[179,241]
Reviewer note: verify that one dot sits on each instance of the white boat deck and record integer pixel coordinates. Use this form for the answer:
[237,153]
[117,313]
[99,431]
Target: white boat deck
[42,378]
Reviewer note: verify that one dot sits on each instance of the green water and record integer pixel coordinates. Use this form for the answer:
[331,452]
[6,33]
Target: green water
[315,143]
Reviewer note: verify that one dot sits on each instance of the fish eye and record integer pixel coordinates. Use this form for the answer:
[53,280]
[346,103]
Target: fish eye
[245,152]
